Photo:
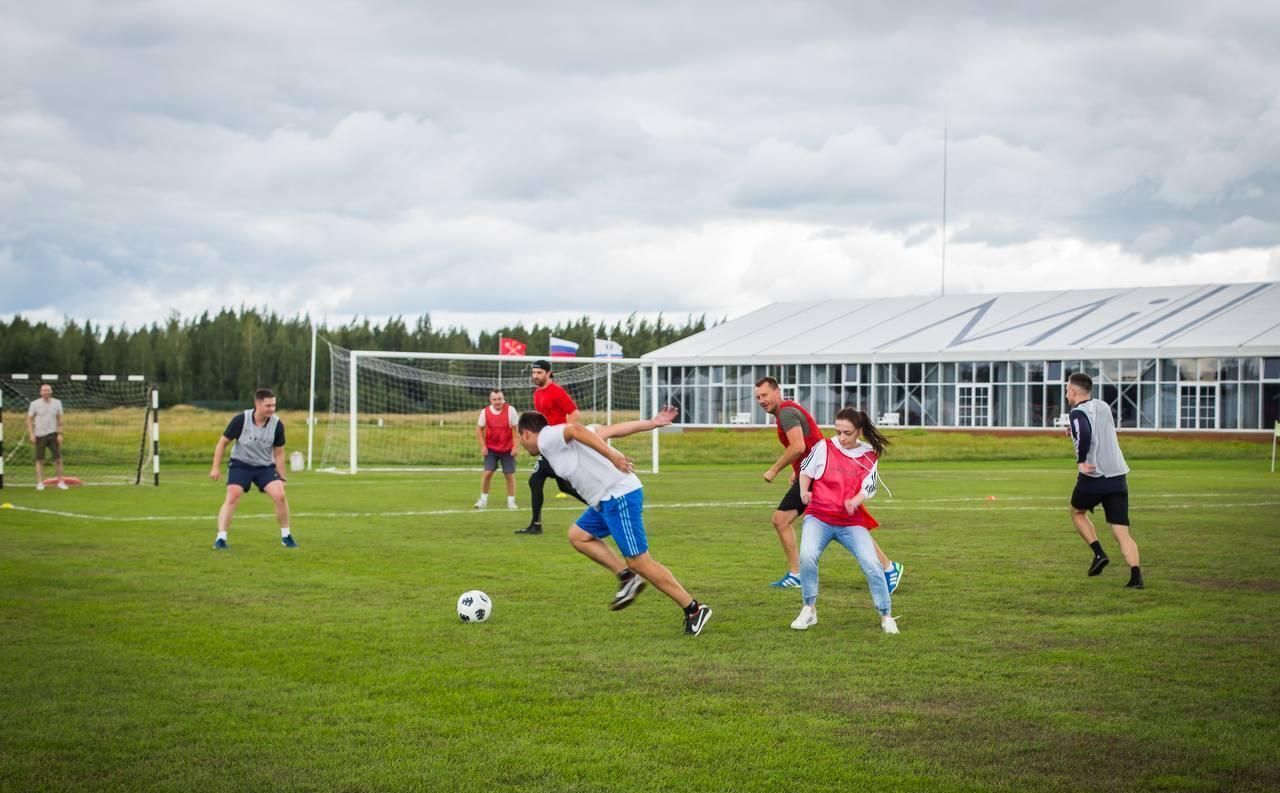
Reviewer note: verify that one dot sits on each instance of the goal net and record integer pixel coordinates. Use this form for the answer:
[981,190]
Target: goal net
[399,410]
[109,425]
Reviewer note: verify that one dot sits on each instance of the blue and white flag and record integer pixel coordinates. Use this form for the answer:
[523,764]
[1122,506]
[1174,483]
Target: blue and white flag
[608,349]
[563,348]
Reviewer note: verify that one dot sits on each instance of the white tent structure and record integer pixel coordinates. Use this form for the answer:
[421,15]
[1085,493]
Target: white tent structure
[1167,358]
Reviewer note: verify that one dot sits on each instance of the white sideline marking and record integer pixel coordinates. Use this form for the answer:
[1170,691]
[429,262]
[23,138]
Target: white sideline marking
[915,505]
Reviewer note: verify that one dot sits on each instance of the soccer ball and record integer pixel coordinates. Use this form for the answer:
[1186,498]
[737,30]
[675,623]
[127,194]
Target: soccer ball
[474,606]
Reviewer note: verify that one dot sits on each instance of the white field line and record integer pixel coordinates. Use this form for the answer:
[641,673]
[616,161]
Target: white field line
[926,505]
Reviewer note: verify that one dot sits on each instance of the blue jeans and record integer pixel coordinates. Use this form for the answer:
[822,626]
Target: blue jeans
[817,535]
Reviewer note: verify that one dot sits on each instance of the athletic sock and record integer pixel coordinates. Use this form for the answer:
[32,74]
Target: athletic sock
[626,575]
[222,535]
[692,608]
[1097,548]
[1135,575]
[511,501]
[284,532]
[889,567]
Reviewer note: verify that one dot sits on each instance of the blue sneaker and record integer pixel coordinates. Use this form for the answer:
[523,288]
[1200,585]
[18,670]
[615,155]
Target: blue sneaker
[219,544]
[788,581]
[893,576]
[287,541]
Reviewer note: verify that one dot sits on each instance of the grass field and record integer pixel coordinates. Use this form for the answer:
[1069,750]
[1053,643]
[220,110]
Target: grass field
[136,658]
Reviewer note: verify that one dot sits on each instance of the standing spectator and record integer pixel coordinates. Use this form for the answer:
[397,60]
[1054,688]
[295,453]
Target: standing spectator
[44,427]
[495,431]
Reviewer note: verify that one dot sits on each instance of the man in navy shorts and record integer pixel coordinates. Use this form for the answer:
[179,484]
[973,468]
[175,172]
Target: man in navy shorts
[256,459]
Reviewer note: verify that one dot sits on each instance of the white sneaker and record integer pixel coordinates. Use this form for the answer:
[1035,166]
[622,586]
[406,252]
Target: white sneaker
[888,624]
[512,505]
[39,485]
[481,503]
[63,486]
[808,616]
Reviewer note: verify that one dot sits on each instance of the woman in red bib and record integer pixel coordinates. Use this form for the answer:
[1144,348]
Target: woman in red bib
[836,477]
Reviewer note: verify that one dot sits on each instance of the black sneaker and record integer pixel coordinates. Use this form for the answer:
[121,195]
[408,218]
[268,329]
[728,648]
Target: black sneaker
[627,593]
[532,528]
[695,622]
[1134,583]
[1098,563]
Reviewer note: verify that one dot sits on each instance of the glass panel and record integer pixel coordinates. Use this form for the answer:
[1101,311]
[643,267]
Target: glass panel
[1168,406]
[966,373]
[1187,369]
[1249,369]
[899,373]
[1039,416]
[864,373]
[1168,371]
[931,414]
[1229,369]
[1208,370]
[1110,394]
[931,372]
[948,400]
[804,395]
[717,374]
[851,373]
[1271,368]
[1148,371]
[882,402]
[1017,404]
[1111,371]
[1147,407]
[702,375]
[915,373]
[1035,371]
[820,374]
[948,373]
[1229,407]
[884,375]
[1053,372]
[1000,372]
[677,376]
[915,407]
[1017,373]
[1270,405]
[1128,406]
[1250,406]
[999,401]
[982,372]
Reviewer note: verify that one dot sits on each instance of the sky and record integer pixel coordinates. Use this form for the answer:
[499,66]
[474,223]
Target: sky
[507,161]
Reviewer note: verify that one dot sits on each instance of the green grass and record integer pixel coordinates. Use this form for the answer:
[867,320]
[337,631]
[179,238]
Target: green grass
[133,657]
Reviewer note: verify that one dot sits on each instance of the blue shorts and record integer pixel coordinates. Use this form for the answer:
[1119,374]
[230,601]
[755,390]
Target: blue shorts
[619,517]
[248,475]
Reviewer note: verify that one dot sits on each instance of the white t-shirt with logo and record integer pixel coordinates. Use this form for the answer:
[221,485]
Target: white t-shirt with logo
[590,472]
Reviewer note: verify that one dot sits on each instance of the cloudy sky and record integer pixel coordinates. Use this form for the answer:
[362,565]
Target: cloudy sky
[494,161]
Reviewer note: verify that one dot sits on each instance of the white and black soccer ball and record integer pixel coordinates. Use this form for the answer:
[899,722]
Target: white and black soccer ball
[474,606]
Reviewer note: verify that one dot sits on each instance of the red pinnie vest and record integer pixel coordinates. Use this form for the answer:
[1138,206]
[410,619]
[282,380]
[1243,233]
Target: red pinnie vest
[841,480]
[812,436]
[497,430]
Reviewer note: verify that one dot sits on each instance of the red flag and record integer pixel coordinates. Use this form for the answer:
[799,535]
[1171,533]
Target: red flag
[510,346]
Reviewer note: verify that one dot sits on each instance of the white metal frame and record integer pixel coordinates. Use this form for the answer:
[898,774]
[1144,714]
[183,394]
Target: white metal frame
[1200,388]
[353,386]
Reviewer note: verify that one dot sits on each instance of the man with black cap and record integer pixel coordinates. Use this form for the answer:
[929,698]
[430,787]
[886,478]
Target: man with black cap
[554,402]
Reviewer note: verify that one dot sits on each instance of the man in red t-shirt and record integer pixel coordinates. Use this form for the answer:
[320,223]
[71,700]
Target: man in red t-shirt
[798,433]
[495,430]
[554,402]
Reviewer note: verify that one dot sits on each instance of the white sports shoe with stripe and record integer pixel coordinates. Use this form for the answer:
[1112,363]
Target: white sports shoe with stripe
[808,616]
[888,624]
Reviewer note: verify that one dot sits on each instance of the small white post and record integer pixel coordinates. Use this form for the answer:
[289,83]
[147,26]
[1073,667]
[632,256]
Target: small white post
[1274,438]
[354,442]
[653,408]
[311,411]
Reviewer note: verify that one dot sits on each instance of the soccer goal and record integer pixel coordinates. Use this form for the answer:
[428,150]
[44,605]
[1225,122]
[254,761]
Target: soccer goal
[393,411]
[111,428]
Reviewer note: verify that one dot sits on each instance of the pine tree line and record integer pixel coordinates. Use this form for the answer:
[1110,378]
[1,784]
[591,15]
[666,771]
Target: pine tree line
[218,359]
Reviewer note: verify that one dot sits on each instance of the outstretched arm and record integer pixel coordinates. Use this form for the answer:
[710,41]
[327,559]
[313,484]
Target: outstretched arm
[622,429]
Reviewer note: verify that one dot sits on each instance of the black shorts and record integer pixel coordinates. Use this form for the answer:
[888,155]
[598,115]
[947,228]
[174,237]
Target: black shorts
[49,442]
[791,501]
[507,459]
[246,476]
[1115,505]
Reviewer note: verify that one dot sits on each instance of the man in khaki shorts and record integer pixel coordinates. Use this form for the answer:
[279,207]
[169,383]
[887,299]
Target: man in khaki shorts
[44,427]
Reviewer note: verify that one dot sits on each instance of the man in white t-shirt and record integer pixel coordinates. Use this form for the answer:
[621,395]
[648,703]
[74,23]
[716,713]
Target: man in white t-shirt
[44,427]
[495,431]
[607,482]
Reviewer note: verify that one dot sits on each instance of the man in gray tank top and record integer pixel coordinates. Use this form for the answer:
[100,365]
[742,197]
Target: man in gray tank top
[256,459]
[1101,478]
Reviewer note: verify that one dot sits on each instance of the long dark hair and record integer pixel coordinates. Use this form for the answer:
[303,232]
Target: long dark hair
[862,423]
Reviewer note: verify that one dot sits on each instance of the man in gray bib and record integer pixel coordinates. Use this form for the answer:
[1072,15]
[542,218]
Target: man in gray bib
[256,459]
[1102,476]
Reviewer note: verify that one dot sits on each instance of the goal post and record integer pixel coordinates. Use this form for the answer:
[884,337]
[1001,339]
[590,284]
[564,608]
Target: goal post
[111,428]
[391,410]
